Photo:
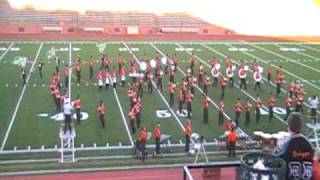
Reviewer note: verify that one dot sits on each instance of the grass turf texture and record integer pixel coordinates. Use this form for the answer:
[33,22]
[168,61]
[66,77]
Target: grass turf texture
[30,130]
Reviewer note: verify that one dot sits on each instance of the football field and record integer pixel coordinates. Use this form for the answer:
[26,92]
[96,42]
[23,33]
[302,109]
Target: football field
[27,113]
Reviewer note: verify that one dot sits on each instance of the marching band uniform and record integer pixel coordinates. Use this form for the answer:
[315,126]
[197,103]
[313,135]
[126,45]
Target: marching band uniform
[271,104]
[247,108]
[205,104]
[77,105]
[258,106]
[132,116]
[78,72]
[188,131]
[221,112]
[238,108]
[100,111]
[91,64]
[287,104]
[171,89]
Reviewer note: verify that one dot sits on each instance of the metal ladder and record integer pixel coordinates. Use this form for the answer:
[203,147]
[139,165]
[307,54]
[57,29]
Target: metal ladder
[67,150]
[314,135]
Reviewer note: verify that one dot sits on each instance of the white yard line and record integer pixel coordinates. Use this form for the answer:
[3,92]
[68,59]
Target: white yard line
[261,60]
[20,98]
[6,51]
[308,47]
[199,89]
[123,116]
[243,91]
[164,100]
[284,57]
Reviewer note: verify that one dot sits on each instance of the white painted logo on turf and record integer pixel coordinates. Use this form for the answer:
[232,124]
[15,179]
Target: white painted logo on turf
[15,49]
[292,49]
[132,49]
[276,110]
[3,48]
[163,114]
[240,49]
[60,116]
[20,61]
[186,49]
[183,114]
[101,47]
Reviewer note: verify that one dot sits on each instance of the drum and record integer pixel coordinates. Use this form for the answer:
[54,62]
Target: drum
[215,73]
[153,63]
[257,76]
[217,66]
[143,66]
[164,60]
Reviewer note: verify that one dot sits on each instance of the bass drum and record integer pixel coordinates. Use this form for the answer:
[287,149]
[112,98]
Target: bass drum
[153,63]
[215,73]
[242,73]
[229,72]
[257,76]
[143,66]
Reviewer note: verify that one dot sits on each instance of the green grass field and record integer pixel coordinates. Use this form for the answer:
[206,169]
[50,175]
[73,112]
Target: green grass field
[20,127]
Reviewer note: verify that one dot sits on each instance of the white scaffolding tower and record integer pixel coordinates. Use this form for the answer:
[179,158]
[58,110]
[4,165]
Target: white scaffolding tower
[67,149]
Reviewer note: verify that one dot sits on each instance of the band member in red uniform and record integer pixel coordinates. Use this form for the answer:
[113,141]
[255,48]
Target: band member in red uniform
[143,135]
[140,88]
[205,83]
[159,76]
[180,101]
[106,62]
[91,65]
[213,61]
[132,119]
[231,143]
[149,82]
[238,108]
[269,72]
[57,99]
[66,76]
[201,75]
[77,105]
[99,78]
[271,104]
[279,82]
[114,78]
[221,112]
[287,105]
[257,76]
[230,74]
[120,62]
[175,62]
[78,71]
[106,76]
[171,90]
[192,62]
[258,106]
[172,73]
[122,76]
[243,76]
[100,111]
[299,102]
[192,84]
[189,98]
[187,131]
[291,88]
[157,136]
[137,110]
[205,104]
[223,82]
[247,108]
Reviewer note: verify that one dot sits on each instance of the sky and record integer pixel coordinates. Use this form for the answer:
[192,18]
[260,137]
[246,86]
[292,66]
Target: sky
[254,17]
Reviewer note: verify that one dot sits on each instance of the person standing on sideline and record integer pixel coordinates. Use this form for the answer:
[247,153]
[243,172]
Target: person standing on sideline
[143,136]
[101,113]
[187,131]
[296,150]
[205,104]
[67,111]
[157,136]
[314,103]
[271,104]
[258,106]
[77,105]
[40,67]
[231,142]
[24,76]
[238,108]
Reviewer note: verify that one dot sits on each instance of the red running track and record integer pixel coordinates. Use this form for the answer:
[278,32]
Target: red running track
[141,174]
